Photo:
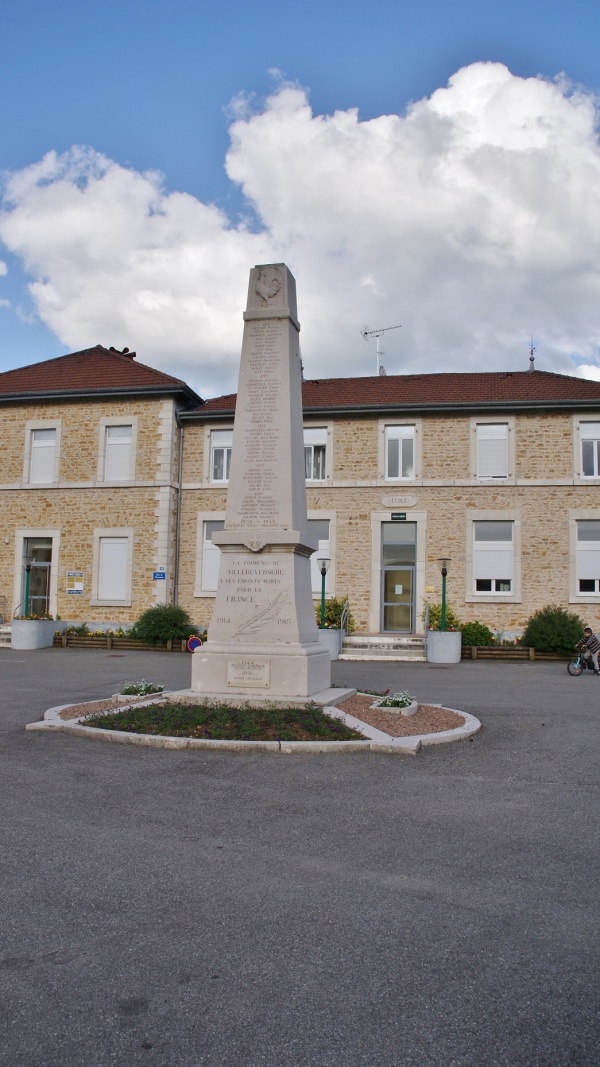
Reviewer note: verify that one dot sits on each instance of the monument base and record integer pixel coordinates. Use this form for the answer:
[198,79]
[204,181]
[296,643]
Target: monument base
[261,670]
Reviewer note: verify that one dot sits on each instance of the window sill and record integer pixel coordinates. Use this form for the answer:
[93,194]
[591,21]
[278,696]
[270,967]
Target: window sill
[493,598]
[111,603]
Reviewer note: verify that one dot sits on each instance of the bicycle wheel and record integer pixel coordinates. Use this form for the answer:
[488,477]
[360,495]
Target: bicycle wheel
[575,668]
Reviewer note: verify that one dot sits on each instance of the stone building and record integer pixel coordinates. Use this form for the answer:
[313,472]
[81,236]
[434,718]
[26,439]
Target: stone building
[499,472]
[88,489]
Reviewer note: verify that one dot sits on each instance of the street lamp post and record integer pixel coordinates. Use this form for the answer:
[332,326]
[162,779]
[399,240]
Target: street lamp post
[27,561]
[444,563]
[323,565]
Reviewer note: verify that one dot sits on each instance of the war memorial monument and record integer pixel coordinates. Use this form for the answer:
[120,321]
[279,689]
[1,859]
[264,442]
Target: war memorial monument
[263,639]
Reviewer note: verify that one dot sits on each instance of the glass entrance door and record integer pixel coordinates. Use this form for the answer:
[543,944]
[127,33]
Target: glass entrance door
[398,598]
[398,561]
[39,550]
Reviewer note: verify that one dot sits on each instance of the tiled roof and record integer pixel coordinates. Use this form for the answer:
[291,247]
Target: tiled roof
[520,388]
[93,370]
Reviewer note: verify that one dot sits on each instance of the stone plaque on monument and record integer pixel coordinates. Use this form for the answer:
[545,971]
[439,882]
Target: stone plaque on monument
[263,635]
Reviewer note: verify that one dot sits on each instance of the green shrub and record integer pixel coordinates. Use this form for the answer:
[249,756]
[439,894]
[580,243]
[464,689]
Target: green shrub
[552,629]
[333,613]
[165,622]
[435,617]
[477,633]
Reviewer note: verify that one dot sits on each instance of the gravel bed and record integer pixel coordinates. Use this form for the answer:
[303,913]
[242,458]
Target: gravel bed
[427,720]
[94,707]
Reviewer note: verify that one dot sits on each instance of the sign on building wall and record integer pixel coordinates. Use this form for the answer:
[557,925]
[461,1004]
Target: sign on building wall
[75,583]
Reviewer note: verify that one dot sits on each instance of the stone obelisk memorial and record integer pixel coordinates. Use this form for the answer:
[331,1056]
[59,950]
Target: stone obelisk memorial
[263,637]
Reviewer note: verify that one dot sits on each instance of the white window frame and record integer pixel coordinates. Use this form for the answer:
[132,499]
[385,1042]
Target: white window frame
[203,517]
[472,597]
[497,420]
[126,533]
[580,434]
[209,473]
[315,436]
[409,424]
[41,424]
[577,515]
[115,420]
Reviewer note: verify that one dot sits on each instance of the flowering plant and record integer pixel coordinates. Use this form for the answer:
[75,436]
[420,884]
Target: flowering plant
[35,618]
[396,700]
[141,689]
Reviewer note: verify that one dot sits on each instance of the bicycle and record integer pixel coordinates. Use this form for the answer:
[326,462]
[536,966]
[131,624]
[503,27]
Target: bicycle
[580,664]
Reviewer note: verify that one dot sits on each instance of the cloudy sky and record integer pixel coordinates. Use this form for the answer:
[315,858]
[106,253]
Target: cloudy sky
[434,165]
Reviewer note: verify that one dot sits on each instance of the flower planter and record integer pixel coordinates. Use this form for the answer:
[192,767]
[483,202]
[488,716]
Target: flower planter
[410,709]
[332,639]
[32,633]
[444,646]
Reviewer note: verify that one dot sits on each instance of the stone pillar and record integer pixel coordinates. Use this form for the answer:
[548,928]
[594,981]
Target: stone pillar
[263,638]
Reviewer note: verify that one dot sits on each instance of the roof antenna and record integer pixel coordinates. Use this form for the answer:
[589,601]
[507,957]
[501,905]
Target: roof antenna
[532,351]
[377,333]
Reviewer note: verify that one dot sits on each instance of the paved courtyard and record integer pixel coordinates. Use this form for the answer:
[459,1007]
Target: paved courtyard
[178,909]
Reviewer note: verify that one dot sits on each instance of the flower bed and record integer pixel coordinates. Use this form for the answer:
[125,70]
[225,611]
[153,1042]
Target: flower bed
[511,653]
[105,641]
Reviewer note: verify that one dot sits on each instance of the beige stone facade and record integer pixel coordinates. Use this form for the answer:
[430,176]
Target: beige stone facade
[80,506]
[542,497]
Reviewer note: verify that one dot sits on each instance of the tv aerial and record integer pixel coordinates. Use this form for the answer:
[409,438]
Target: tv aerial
[367,334]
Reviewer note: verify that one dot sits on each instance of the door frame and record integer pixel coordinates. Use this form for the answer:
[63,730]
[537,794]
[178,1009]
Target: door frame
[375,612]
[20,537]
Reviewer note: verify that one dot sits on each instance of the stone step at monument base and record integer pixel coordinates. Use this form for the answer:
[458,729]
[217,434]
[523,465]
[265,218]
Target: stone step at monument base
[5,633]
[385,647]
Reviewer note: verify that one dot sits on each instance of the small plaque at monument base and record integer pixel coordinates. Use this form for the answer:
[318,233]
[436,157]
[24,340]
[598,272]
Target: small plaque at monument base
[248,671]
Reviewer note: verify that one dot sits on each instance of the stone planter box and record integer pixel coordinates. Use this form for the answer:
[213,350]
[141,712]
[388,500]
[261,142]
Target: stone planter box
[410,709]
[332,639]
[32,633]
[444,646]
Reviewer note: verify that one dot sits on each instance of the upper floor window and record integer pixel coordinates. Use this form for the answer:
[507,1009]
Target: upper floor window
[42,461]
[492,450]
[399,452]
[493,556]
[220,455]
[590,449]
[315,454]
[588,556]
[118,453]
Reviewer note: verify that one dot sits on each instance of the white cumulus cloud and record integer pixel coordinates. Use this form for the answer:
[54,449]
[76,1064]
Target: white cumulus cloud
[473,219]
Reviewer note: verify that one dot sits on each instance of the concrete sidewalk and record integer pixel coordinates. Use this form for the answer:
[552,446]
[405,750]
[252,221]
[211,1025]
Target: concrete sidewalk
[185,909]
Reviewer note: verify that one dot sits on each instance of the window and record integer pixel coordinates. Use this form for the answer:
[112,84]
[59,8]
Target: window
[319,531]
[588,556]
[211,554]
[399,452]
[315,448]
[590,449]
[42,457]
[493,557]
[492,450]
[113,566]
[118,453]
[220,455]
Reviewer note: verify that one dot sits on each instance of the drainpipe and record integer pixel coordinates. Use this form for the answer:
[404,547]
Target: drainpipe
[178,514]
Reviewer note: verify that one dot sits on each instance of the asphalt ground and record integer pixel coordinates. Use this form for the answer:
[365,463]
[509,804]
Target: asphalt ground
[176,909]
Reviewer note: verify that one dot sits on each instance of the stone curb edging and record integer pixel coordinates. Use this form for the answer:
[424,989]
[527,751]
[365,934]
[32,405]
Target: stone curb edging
[377,740]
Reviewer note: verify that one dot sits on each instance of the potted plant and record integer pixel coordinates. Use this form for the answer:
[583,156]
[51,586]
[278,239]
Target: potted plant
[443,646]
[330,633]
[32,631]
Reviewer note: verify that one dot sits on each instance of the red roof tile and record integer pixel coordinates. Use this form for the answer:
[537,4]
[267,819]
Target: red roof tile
[520,388]
[93,370]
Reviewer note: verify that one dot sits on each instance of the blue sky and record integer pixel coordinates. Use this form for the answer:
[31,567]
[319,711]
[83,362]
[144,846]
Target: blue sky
[148,86]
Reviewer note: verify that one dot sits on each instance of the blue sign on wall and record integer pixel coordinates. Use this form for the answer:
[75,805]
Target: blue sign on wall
[159,574]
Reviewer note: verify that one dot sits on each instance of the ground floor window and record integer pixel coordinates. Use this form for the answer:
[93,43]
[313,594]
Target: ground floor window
[493,556]
[588,556]
[319,531]
[113,566]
